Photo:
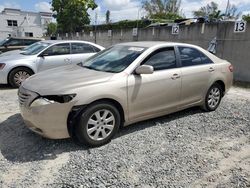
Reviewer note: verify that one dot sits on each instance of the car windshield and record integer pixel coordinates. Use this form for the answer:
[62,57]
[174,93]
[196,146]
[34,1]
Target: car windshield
[36,48]
[114,59]
[31,46]
[3,41]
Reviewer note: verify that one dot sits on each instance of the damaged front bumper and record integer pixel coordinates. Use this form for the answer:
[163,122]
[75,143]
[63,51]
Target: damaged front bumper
[46,119]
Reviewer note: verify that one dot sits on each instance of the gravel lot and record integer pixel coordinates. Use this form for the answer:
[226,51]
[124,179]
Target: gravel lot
[186,149]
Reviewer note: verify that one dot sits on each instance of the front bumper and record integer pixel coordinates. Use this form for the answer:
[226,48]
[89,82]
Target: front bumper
[49,120]
[3,77]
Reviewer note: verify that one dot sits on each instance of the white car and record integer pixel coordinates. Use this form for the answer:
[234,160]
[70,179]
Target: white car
[16,67]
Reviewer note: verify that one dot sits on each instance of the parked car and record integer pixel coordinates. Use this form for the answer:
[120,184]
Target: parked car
[14,69]
[16,43]
[122,85]
[14,52]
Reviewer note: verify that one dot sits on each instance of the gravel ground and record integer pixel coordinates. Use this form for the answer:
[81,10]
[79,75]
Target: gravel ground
[185,149]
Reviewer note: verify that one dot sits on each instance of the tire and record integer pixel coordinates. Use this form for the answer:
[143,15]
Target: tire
[18,75]
[91,129]
[213,98]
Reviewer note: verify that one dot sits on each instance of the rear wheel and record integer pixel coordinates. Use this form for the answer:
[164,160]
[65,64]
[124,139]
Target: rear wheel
[18,75]
[213,97]
[98,124]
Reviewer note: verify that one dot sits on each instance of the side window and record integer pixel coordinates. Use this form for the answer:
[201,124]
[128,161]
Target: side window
[96,49]
[79,48]
[29,42]
[191,56]
[14,42]
[58,49]
[205,59]
[162,59]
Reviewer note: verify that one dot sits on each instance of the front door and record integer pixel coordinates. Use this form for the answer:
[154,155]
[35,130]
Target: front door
[153,94]
[55,56]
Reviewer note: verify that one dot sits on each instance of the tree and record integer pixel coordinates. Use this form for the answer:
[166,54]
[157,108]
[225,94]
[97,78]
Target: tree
[232,12]
[72,15]
[209,11]
[162,9]
[107,17]
[246,17]
[51,29]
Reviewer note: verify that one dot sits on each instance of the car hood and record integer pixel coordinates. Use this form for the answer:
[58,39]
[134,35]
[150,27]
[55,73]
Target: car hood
[64,79]
[12,52]
[14,57]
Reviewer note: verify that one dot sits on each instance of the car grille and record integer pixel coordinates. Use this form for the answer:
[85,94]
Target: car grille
[26,97]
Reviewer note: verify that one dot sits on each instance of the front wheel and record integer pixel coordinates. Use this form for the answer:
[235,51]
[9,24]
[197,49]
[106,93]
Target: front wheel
[18,75]
[213,98]
[98,124]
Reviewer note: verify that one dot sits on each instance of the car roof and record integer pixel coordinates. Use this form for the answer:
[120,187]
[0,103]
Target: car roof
[28,38]
[63,41]
[149,44]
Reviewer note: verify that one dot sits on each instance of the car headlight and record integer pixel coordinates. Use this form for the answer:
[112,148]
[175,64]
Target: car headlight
[41,102]
[2,65]
[50,99]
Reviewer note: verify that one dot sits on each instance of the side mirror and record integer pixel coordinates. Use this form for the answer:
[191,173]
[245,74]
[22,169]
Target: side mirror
[144,69]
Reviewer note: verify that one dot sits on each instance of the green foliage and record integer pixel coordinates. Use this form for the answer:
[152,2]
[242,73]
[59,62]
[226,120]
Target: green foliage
[212,12]
[165,16]
[125,24]
[162,9]
[51,29]
[246,17]
[71,15]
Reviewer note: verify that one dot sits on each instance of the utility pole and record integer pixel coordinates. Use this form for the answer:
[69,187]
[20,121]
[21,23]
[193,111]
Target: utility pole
[227,9]
[95,24]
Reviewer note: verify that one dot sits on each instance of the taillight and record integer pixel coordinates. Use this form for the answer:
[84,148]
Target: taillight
[2,65]
[231,68]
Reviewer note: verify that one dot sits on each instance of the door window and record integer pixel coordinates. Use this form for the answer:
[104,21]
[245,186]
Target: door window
[79,48]
[14,42]
[162,59]
[58,49]
[190,57]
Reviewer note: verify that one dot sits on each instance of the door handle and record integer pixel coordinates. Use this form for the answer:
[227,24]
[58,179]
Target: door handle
[211,69]
[175,76]
[67,60]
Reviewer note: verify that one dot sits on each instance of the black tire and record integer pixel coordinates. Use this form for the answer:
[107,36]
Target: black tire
[22,70]
[80,130]
[207,105]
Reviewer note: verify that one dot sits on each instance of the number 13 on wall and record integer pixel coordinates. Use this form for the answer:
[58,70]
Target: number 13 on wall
[240,26]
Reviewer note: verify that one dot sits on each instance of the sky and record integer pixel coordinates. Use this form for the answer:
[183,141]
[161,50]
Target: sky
[122,9]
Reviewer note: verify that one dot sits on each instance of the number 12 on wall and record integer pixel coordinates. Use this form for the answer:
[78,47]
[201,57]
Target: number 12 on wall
[175,30]
[240,26]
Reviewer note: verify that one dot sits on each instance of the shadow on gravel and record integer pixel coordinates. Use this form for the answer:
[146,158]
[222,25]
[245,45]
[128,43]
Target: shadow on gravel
[5,87]
[19,144]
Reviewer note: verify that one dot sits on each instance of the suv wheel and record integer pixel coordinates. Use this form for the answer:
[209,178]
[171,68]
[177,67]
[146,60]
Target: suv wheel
[18,75]
[98,124]
[213,97]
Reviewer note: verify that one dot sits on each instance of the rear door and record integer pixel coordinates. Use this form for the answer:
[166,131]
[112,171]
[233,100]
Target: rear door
[152,94]
[55,56]
[81,51]
[197,70]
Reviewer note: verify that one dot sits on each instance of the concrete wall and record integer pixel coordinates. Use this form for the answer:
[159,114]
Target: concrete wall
[234,47]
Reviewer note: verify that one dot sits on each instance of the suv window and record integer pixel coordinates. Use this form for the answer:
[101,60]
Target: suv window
[28,42]
[58,49]
[14,42]
[78,48]
[190,56]
[162,59]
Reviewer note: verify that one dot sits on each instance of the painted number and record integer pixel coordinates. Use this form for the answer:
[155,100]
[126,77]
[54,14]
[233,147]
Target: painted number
[175,30]
[240,26]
